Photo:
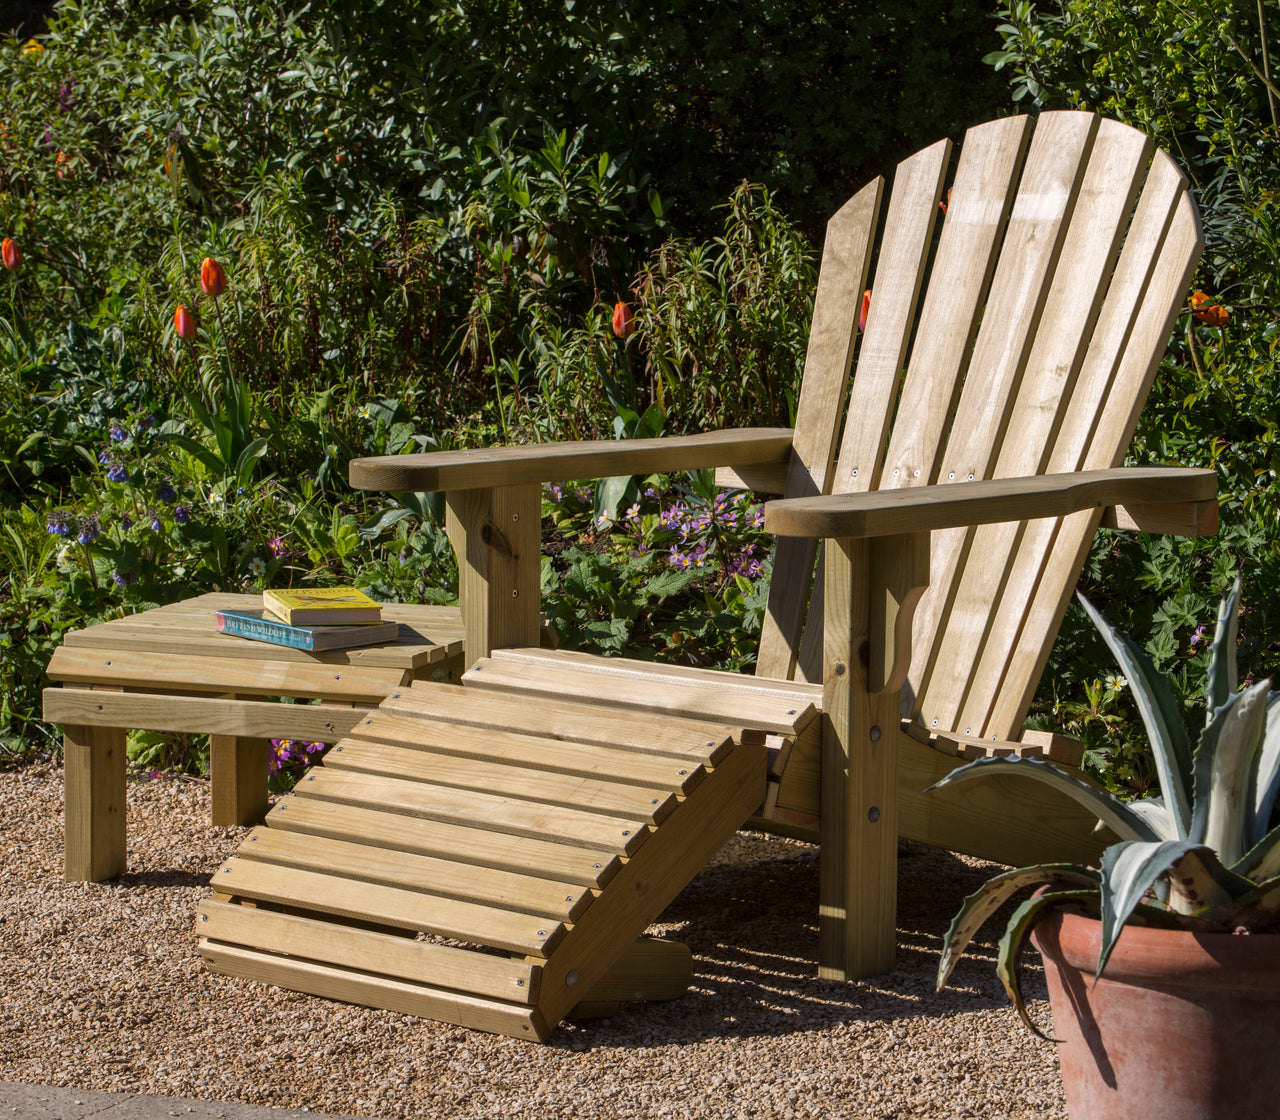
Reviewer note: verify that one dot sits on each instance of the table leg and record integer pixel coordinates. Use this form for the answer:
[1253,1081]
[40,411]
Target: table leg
[93,769]
[238,774]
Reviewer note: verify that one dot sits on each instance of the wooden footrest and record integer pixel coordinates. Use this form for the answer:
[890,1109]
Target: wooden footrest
[484,862]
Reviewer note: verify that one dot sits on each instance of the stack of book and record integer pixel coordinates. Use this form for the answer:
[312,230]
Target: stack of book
[315,619]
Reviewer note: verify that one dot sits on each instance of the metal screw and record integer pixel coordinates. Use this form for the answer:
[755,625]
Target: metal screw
[339,749]
[515,593]
[520,984]
[683,773]
[204,917]
[395,696]
[626,832]
[654,801]
[875,734]
[597,867]
[951,474]
[968,731]
[253,839]
[311,777]
[542,933]
[337,676]
[226,871]
[791,712]
[873,814]
[971,476]
[917,473]
[568,898]
[477,668]
[515,517]
[854,472]
[935,723]
[710,743]
[895,472]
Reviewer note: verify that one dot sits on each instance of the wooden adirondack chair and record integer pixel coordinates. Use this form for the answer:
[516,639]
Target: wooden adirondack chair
[998,382]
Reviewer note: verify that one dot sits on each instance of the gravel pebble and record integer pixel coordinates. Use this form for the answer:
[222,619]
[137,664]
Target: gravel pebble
[104,989]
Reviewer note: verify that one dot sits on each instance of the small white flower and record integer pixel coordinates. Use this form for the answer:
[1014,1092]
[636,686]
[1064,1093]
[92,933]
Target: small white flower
[256,566]
[64,553]
[1115,682]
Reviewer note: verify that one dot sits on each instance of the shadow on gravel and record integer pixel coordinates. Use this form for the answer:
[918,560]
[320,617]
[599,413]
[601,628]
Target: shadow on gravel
[752,926]
[149,880]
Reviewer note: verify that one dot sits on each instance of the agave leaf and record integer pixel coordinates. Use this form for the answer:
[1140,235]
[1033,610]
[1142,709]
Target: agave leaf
[1008,959]
[1222,678]
[1159,710]
[1131,868]
[993,894]
[1266,774]
[1262,861]
[1115,814]
[1224,760]
[1156,813]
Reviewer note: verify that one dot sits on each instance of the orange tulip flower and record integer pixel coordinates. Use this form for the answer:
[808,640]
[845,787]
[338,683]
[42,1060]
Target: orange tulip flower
[623,321]
[1207,311]
[10,254]
[213,278]
[184,323]
[866,306]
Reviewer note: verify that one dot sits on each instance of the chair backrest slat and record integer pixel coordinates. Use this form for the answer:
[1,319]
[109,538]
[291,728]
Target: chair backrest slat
[1168,282]
[846,259]
[900,269]
[977,211]
[1075,293]
[1028,344]
[1033,241]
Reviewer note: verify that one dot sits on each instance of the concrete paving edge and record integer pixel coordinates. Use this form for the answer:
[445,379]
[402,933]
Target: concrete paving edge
[50,1102]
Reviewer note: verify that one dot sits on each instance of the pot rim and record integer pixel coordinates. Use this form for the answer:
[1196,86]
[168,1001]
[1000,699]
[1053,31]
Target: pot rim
[1169,956]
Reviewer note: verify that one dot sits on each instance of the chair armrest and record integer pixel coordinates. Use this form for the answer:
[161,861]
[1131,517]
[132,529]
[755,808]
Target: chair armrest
[481,468]
[880,513]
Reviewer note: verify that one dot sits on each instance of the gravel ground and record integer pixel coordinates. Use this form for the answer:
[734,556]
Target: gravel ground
[103,989]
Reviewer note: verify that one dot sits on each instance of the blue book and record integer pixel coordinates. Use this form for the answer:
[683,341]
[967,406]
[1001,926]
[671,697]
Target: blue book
[260,625]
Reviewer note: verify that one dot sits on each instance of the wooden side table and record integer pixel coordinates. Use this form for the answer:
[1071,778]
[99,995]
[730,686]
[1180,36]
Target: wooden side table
[169,669]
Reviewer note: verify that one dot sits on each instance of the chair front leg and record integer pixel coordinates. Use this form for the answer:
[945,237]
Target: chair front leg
[872,587]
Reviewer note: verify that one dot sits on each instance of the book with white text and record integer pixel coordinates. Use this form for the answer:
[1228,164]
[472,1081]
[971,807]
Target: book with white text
[260,625]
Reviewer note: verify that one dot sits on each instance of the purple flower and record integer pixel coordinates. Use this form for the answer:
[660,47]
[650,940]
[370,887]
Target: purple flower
[145,422]
[116,432]
[126,522]
[118,473]
[556,491]
[166,493]
[277,547]
[181,514]
[65,95]
[88,529]
[58,523]
[1202,632]
[156,524]
[105,457]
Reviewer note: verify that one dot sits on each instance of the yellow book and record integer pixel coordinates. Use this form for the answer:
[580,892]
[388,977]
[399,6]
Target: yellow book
[323,606]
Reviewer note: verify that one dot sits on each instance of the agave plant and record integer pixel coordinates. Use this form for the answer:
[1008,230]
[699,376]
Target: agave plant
[1202,856]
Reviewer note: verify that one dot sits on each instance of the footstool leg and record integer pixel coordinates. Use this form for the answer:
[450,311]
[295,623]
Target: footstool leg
[93,771]
[238,773]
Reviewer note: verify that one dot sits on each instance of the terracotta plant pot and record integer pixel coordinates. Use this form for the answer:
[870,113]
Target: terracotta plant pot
[1182,1026]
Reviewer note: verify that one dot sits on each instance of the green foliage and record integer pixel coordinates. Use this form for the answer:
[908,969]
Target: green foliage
[1192,77]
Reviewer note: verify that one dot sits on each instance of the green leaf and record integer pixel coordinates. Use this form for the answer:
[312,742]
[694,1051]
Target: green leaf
[1222,677]
[1131,868]
[1008,956]
[993,894]
[248,460]
[1224,760]
[1115,814]
[1159,710]
[1265,784]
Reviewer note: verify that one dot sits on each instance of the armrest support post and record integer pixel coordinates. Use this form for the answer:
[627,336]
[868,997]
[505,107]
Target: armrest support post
[496,535]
